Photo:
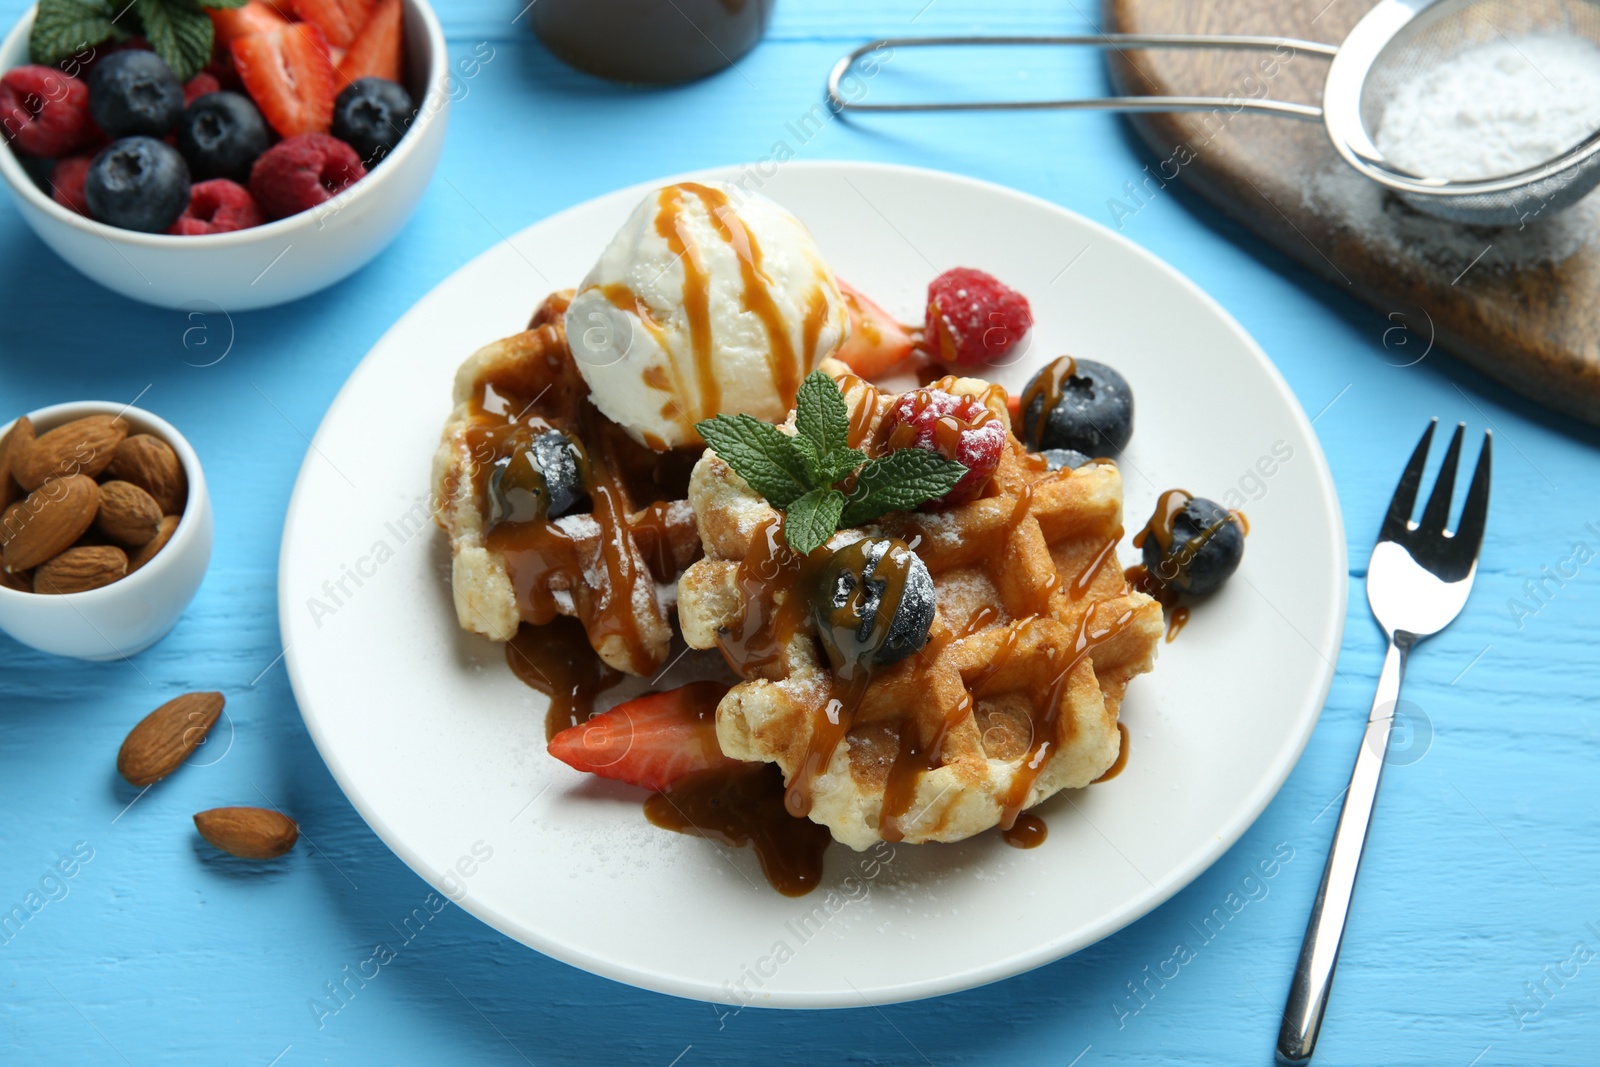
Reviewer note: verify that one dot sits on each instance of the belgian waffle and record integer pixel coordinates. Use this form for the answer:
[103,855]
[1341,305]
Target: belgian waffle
[614,567]
[1016,693]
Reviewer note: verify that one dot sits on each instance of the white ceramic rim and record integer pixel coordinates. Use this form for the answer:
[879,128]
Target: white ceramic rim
[437,88]
[59,414]
[995,970]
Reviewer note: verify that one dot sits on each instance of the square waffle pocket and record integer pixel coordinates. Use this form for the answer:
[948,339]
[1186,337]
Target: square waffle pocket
[1013,698]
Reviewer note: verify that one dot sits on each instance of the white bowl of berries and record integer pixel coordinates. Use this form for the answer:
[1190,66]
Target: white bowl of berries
[239,156]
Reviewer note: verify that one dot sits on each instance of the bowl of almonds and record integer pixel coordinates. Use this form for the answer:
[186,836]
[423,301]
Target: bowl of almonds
[105,529]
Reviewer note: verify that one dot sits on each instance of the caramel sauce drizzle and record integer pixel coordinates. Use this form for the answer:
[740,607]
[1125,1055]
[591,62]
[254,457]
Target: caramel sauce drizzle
[913,758]
[1091,571]
[1121,762]
[768,626]
[947,429]
[1029,831]
[1165,588]
[1178,620]
[757,295]
[556,660]
[744,806]
[1048,387]
[1084,643]
[980,620]
[696,296]
[861,397]
[652,532]
[831,722]
[811,327]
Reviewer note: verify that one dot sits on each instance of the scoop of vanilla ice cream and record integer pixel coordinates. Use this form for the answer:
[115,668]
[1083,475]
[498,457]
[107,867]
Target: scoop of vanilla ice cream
[709,300]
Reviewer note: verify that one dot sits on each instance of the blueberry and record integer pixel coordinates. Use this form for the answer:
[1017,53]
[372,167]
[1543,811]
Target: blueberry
[1080,405]
[133,92]
[137,183]
[1065,458]
[371,115]
[221,134]
[1192,548]
[40,170]
[542,479]
[873,604]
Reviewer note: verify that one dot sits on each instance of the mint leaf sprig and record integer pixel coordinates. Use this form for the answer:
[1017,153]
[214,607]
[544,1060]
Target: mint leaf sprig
[178,30]
[800,474]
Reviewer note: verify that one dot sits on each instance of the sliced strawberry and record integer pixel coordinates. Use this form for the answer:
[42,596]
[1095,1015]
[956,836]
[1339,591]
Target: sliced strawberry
[288,75]
[229,24]
[339,19]
[650,741]
[378,51]
[877,342]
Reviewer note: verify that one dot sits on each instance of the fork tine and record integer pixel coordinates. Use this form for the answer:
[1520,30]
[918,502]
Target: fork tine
[1469,534]
[1437,511]
[1398,520]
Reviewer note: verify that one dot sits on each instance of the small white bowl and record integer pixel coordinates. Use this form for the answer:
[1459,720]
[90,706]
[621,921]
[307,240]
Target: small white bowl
[129,615]
[264,265]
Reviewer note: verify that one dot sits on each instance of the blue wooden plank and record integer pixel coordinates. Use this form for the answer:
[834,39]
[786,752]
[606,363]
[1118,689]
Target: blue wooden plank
[1480,873]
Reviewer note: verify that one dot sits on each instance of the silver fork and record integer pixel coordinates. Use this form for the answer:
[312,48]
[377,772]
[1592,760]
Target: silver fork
[1417,582]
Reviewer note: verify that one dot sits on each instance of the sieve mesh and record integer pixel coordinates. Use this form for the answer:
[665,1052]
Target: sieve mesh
[1435,37]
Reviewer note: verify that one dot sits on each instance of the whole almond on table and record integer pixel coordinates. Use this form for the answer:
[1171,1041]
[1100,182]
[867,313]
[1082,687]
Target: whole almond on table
[16,441]
[253,833]
[169,523]
[150,463]
[77,570]
[128,515]
[47,523]
[166,737]
[83,446]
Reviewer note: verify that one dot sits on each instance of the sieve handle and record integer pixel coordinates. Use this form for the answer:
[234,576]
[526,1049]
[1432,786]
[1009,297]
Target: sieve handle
[1116,41]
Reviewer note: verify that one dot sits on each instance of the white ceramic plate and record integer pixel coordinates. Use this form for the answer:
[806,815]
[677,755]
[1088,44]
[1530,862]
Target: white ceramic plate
[441,749]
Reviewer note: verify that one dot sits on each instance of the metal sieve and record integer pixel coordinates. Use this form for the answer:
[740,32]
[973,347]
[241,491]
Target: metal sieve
[1392,43]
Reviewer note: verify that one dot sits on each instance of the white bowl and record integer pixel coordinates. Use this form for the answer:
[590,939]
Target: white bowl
[129,615]
[265,265]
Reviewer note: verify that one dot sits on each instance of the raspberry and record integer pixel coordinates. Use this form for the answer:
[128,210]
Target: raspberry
[199,85]
[67,180]
[973,318]
[303,171]
[45,112]
[956,427]
[217,206]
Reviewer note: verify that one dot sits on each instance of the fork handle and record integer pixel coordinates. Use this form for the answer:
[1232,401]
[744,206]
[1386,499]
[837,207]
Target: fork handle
[1319,952]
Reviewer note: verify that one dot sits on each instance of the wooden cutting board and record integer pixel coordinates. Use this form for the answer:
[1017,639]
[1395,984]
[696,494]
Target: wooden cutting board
[1520,305]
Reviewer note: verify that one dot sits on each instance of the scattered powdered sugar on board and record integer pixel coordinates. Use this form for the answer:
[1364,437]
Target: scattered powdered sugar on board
[1494,109]
[1367,211]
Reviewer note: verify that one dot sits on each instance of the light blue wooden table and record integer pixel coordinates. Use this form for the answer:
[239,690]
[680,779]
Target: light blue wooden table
[1477,918]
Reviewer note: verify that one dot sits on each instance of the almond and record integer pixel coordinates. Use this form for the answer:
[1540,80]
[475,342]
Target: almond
[167,736]
[150,463]
[54,515]
[169,523]
[11,519]
[128,515]
[83,446]
[22,581]
[78,570]
[17,440]
[254,833]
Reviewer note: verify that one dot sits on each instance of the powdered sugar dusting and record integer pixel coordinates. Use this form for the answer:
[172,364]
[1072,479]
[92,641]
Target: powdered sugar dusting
[1494,109]
[1405,236]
